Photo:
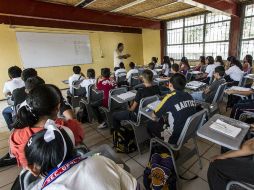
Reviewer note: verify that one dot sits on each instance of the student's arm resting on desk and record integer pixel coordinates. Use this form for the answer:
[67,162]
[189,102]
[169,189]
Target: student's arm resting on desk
[245,93]
[133,106]
[247,149]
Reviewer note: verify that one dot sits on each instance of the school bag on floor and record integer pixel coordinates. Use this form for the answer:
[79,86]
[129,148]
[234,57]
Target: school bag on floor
[160,173]
[123,140]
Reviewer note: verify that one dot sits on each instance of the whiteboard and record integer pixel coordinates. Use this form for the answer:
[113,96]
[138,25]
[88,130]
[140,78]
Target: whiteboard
[53,49]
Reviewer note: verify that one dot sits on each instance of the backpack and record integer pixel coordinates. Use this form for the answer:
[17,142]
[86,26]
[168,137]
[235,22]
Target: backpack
[123,140]
[159,173]
[82,115]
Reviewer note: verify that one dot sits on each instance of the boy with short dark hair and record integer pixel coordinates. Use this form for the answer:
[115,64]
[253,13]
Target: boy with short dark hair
[131,114]
[178,105]
[121,71]
[131,71]
[208,94]
[152,67]
[90,80]
[77,76]
[175,68]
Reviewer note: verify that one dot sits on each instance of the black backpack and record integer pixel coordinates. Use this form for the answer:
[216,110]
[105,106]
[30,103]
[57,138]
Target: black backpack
[82,115]
[123,140]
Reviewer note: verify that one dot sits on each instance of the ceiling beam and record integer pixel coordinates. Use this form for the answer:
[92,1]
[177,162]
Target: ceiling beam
[155,8]
[227,7]
[177,12]
[61,13]
[128,5]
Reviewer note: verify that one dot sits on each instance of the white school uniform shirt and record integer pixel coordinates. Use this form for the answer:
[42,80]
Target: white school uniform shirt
[13,84]
[165,67]
[117,60]
[85,83]
[130,72]
[154,72]
[74,77]
[210,69]
[93,173]
[235,73]
[119,72]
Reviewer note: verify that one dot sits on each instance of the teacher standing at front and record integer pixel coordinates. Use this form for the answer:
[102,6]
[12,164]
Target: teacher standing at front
[119,56]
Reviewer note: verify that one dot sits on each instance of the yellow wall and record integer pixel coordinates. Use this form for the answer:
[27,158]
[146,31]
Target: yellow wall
[102,43]
[151,45]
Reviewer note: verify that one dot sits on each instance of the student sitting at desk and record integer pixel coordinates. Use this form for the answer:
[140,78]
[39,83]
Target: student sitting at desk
[9,86]
[175,68]
[166,66]
[104,83]
[234,73]
[179,105]
[247,63]
[77,76]
[219,61]
[202,65]
[51,158]
[90,80]
[148,90]
[155,61]
[132,70]
[230,167]
[208,94]
[242,105]
[42,103]
[184,66]
[152,67]
[209,69]
[121,71]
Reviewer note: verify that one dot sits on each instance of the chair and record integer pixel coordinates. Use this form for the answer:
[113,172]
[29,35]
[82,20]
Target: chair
[140,130]
[94,97]
[121,77]
[76,93]
[242,81]
[214,106]
[244,186]
[134,79]
[113,105]
[192,124]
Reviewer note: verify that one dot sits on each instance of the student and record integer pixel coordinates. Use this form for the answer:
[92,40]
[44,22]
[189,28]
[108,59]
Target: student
[201,66]
[234,73]
[184,66]
[51,151]
[166,66]
[131,71]
[210,68]
[152,67]
[247,63]
[208,94]
[119,56]
[228,62]
[147,90]
[178,105]
[172,61]
[232,166]
[175,68]
[105,83]
[121,71]
[90,80]
[19,94]
[242,105]
[42,103]
[77,76]
[9,86]
[14,82]
[219,61]
[155,61]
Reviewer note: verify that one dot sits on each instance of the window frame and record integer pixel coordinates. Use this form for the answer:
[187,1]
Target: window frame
[243,17]
[204,42]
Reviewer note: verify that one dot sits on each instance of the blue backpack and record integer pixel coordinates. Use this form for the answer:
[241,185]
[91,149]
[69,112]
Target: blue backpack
[160,173]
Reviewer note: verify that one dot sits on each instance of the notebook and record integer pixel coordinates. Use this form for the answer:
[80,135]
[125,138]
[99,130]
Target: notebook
[154,105]
[127,95]
[195,84]
[225,128]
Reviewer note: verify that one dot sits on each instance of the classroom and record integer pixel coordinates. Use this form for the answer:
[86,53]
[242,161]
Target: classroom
[127,94]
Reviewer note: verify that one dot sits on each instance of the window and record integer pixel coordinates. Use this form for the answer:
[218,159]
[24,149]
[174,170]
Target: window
[206,34]
[247,40]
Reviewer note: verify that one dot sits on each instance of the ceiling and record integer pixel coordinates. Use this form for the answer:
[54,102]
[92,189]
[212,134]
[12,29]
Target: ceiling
[150,9]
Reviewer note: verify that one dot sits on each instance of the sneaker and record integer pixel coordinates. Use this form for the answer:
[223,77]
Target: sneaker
[7,161]
[102,126]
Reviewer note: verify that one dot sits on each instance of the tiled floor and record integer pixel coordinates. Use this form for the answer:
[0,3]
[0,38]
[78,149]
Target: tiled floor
[136,162]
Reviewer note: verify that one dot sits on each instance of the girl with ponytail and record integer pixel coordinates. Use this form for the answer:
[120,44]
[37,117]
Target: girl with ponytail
[42,103]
